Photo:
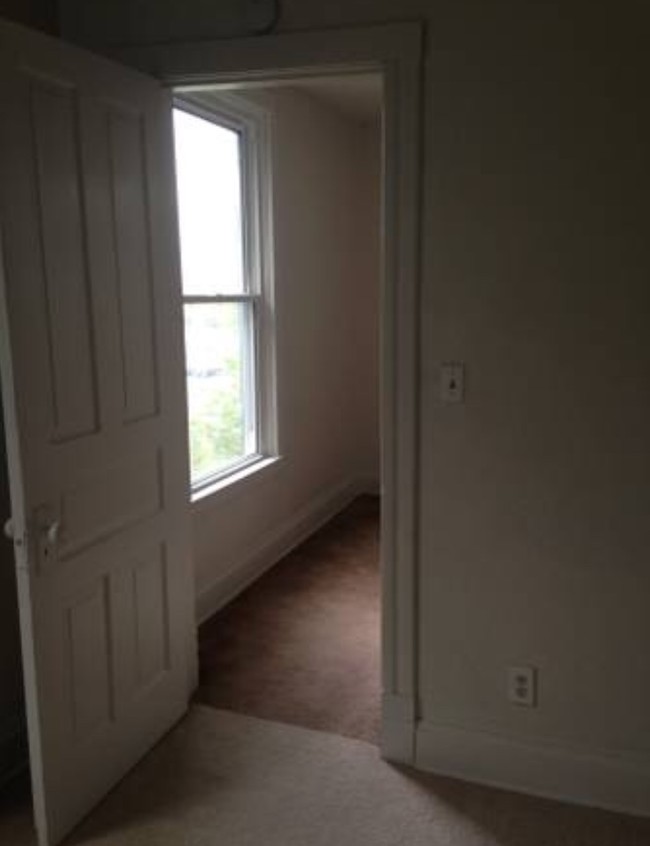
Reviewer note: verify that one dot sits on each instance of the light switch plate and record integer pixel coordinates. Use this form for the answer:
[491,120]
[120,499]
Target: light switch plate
[452,382]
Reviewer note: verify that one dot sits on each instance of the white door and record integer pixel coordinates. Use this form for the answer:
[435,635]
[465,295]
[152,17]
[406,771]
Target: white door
[93,382]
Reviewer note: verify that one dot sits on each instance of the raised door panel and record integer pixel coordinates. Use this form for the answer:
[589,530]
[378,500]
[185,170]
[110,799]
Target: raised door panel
[152,615]
[116,642]
[140,608]
[132,240]
[70,348]
[89,662]
[58,277]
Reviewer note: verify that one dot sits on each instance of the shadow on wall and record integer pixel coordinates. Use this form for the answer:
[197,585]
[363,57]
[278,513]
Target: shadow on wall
[40,14]
[12,734]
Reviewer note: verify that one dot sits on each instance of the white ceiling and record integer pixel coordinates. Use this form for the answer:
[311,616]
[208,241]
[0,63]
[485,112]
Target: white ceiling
[357,96]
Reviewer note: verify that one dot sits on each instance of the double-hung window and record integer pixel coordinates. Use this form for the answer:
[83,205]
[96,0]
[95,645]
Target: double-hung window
[227,349]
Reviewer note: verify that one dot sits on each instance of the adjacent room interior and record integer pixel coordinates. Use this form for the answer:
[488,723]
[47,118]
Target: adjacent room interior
[279,209]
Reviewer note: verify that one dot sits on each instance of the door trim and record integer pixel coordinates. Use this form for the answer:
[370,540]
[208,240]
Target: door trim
[395,51]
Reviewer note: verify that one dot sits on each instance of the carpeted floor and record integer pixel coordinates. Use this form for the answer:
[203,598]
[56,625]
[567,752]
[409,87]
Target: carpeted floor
[301,645]
[228,779]
[225,779]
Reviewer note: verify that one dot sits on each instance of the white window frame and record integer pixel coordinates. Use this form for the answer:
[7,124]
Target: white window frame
[253,125]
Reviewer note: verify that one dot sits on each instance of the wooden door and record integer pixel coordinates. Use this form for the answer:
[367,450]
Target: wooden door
[92,366]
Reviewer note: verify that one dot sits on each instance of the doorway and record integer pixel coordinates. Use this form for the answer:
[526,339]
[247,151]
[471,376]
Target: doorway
[279,191]
[394,51]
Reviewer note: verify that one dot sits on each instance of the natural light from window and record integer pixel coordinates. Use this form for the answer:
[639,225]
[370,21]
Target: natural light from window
[218,304]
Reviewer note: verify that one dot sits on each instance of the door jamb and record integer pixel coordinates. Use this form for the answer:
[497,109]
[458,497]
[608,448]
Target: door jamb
[395,50]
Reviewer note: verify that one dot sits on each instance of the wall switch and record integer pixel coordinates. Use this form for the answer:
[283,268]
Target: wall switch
[522,686]
[452,382]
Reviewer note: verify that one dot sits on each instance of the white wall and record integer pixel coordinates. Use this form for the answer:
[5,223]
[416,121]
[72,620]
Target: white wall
[534,495]
[326,292]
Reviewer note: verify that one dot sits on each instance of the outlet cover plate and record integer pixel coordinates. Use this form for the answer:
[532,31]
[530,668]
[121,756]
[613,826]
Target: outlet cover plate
[522,686]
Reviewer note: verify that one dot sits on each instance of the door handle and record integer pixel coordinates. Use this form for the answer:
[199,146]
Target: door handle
[52,532]
[9,531]
[8,528]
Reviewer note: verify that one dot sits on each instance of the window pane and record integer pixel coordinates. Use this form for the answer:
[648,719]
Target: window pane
[221,401]
[208,179]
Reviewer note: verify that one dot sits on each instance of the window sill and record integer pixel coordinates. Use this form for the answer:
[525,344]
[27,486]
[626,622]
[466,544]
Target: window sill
[233,483]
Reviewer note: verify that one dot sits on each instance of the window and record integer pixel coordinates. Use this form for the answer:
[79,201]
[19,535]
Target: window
[218,178]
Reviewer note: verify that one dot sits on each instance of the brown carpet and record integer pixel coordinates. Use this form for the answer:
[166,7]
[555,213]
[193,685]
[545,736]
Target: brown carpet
[301,645]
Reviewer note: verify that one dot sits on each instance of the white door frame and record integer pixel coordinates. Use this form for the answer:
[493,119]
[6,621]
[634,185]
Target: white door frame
[396,51]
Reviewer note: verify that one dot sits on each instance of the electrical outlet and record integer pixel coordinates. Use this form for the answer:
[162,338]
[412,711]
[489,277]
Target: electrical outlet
[522,686]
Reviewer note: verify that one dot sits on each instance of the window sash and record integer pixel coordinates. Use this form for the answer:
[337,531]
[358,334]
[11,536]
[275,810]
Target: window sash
[255,447]
[249,154]
[251,403]
[252,128]
[197,299]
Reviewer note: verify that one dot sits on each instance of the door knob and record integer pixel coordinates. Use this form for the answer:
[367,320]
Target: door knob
[52,532]
[8,528]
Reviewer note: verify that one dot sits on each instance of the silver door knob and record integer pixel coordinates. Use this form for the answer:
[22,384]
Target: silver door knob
[52,532]
[8,529]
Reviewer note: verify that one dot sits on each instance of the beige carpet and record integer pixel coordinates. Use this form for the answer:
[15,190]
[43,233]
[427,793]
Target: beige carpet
[224,779]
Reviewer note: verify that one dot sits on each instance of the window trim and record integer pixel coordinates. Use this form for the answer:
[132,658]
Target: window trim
[253,124]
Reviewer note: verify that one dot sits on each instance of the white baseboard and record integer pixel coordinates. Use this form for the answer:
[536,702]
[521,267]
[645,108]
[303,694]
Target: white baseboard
[615,782]
[274,545]
[397,729]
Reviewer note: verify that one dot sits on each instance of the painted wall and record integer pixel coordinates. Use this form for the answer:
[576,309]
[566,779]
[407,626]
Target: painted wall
[41,14]
[326,294]
[534,495]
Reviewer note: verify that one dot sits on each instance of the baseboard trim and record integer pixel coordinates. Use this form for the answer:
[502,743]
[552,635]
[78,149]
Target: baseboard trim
[397,728]
[274,545]
[14,755]
[615,782]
